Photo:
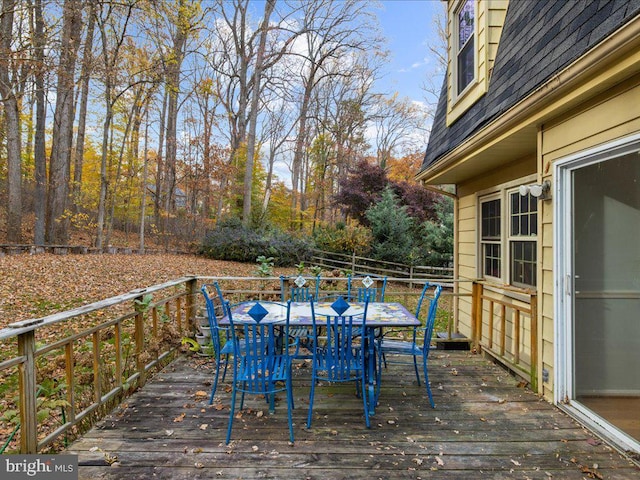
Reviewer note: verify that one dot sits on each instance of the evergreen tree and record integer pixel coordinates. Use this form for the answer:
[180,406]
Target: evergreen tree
[391,227]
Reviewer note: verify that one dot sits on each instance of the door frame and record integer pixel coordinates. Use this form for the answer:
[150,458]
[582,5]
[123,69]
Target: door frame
[563,392]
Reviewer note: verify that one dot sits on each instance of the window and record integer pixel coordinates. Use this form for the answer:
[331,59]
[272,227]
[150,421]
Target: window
[515,250]
[490,238]
[465,46]
[522,238]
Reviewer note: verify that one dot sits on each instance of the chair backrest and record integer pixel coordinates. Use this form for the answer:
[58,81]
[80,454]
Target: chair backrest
[360,286]
[299,291]
[258,338]
[215,311]
[431,314]
[343,343]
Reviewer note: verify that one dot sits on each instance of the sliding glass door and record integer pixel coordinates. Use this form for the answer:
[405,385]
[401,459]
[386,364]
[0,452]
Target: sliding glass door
[601,253]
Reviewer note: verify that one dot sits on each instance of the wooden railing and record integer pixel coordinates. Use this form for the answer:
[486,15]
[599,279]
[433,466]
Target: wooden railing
[70,368]
[122,339]
[504,325]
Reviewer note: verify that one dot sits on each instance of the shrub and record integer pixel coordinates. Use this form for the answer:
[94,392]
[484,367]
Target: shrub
[343,238]
[231,240]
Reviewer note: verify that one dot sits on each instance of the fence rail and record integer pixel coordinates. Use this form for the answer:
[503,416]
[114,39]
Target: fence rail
[357,264]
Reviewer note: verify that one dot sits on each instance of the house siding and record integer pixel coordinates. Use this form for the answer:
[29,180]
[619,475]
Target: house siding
[467,223]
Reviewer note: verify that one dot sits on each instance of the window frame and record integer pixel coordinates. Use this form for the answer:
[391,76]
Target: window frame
[508,240]
[470,42]
[490,241]
[519,238]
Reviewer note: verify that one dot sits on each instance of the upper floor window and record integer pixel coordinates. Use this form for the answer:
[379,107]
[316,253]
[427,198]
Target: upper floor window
[465,47]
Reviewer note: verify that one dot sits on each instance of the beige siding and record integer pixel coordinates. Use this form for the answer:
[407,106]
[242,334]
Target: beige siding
[467,255]
[466,259]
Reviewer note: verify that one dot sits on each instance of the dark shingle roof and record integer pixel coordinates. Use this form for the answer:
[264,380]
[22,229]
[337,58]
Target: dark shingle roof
[539,38]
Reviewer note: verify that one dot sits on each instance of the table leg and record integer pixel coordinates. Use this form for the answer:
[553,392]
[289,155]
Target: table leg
[372,369]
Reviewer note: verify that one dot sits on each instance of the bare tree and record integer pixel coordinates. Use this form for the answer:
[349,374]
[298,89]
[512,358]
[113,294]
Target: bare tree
[253,117]
[39,154]
[433,82]
[57,226]
[396,123]
[85,77]
[112,23]
[332,30]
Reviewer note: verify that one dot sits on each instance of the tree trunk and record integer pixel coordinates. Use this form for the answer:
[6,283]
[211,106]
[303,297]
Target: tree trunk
[87,66]
[157,203]
[58,198]
[253,114]
[39,152]
[12,122]
[173,85]
[145,173]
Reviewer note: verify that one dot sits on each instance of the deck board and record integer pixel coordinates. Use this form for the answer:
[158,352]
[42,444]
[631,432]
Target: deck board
[484,425]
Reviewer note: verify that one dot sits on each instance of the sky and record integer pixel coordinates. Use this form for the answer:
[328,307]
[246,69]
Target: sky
[409,28]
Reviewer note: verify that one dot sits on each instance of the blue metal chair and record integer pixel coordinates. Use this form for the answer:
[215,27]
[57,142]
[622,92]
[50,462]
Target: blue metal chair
[299,292]
[340,356]
[418,347]
[222,345]
[260,365]
[373,286]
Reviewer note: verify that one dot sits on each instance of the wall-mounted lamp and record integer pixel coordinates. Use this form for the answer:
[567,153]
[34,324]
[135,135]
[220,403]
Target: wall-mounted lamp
[541,191]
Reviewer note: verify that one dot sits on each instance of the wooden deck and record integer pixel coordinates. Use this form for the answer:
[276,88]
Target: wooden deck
[484,425]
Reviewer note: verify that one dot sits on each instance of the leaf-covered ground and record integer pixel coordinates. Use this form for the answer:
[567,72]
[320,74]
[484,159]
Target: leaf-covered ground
[32,286]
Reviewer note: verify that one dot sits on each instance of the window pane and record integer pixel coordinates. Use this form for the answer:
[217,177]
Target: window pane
[465,23]
[534,224]
[515,226]
[492,260]
[523,262]
[524,225]
[490,220]
[465,66]
[465,47]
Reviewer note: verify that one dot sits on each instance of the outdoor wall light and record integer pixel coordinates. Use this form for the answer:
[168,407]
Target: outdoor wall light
[541,191]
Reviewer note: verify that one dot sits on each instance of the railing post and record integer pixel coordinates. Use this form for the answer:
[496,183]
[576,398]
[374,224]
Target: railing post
[139,339]
[192,292]
[353,263]
[534,342]
[476,315]
[27,385]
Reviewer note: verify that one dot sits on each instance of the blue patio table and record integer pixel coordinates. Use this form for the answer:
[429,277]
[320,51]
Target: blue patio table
[380,315]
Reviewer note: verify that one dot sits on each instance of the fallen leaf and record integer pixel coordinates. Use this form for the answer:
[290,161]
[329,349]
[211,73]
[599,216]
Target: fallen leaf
[204,426]
[179,418]
[515,462]
[439,461]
